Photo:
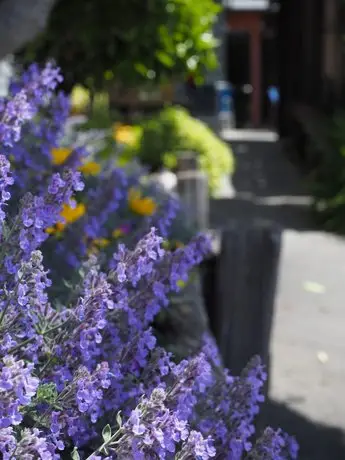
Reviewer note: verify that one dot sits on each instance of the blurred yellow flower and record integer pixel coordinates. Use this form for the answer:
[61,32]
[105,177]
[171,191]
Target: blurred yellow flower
[80,100]
[124,229]
[181,284]
[50,230]
[60,155]
[92,250]
[70,215]
[90,168]
[101,242]
[166,244]
[117,233]
[124,134]
[143,206]
[96,245]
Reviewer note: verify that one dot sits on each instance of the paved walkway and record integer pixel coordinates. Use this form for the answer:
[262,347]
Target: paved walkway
[308,345]
[266,184]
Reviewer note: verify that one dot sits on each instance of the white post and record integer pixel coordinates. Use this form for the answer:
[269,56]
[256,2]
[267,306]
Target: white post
[6,73]
[192,187]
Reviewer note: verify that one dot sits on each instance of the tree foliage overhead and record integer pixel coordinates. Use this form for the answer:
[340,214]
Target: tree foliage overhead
[129,40]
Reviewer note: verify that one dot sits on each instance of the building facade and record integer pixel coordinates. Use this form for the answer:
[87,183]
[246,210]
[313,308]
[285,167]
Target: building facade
[311,58]
[250,57]
[296,45]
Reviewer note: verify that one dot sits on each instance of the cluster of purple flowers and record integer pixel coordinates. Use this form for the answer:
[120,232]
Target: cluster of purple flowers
[5,180]
[30,147]
[82,376]
[37,178]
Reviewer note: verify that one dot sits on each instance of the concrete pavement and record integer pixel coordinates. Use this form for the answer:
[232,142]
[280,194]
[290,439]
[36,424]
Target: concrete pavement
[308,343]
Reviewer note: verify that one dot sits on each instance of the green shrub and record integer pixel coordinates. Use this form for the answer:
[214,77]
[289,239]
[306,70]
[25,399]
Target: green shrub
[328,179]
[173,131]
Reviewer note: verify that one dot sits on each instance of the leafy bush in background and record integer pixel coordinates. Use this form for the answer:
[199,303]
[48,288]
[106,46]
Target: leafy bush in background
[173,131]
[129,41]
[328,179]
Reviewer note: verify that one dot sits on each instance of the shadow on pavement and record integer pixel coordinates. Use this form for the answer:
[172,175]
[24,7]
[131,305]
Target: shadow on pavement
[317,442]
[267,186]
[263,169]
[287,212]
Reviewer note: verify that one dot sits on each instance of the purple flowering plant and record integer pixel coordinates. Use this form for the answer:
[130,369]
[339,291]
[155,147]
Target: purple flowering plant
[83,377]
[106,217]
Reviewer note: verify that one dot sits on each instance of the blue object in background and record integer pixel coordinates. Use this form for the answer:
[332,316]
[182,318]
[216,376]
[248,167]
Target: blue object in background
[273,95]
[224,94]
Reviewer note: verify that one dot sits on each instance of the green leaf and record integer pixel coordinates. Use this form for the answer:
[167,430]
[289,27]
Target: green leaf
[141,68]
[68,284]
[104,451]
[106,433]
[46,393]
[75,454]
[119,419]
[165,59]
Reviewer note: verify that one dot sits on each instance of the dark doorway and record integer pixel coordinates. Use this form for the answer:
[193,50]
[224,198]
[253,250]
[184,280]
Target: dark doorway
[238,73]
[269,71]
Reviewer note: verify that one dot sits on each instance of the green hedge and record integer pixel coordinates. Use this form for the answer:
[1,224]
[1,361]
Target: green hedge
[328,179]
[172,131]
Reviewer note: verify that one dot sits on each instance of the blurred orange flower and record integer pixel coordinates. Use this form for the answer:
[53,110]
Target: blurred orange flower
[70,214]
[90,168]
[60,155]
[101,242]
[144,206]
[124,134]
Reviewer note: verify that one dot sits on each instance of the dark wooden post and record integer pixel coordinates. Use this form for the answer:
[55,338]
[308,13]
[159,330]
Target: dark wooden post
[246,279]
